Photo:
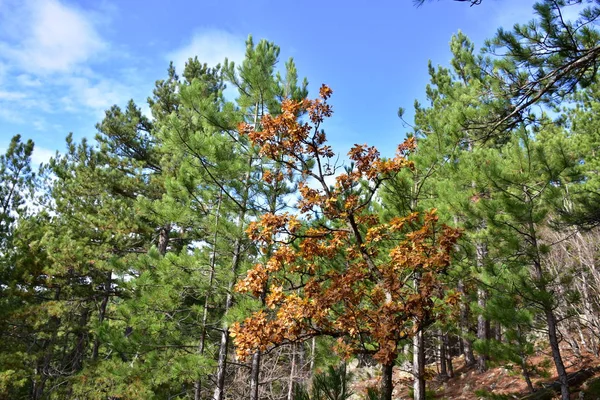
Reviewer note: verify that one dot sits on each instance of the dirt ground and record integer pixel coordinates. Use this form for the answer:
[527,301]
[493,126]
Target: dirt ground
[500,381]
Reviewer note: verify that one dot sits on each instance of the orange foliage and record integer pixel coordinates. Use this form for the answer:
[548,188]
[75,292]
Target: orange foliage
[349,274]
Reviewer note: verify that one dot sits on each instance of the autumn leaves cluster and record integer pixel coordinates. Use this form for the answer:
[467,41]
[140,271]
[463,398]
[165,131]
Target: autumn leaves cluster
[337,267]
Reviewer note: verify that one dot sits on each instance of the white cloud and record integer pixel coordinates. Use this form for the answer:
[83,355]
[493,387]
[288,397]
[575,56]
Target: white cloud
[3,70]
[39,124]
[41,155]
[47,54]
[211,47]
[11,96]
[57,38]
[146,111]
[28,80]
[96,94]
[14,102]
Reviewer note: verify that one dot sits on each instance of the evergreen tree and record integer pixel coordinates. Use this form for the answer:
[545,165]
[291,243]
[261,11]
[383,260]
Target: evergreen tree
[16,181]
[521,181]
[222,177]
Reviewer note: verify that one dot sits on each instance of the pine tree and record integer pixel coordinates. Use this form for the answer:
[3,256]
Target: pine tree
[520,182]
[459,98]
[224,179]
[581,208]
[17,179]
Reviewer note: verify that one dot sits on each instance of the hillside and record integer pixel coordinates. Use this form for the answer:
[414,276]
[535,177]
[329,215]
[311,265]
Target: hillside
[503,381]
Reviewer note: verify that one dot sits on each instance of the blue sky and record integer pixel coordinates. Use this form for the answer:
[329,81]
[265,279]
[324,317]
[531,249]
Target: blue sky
[62,62]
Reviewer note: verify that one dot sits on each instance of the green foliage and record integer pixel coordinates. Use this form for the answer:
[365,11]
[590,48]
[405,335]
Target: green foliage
[373,394]
[17,179]
[545,59]
[592,389]
[331,384]
[429,394]
[119,282]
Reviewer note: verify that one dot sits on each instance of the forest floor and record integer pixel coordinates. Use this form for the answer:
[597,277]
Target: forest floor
[499,382]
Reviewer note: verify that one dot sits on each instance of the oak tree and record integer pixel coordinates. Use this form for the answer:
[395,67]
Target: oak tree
[338,269]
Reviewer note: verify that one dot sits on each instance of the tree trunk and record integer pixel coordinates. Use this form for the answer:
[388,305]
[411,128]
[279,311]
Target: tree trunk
[482,331]
[39,385]
[467,344]
[449,355]
[538,276]
[235,263]
[300,364]
[256,357]
[290,395]
[387,384]
[526,373]
[41,369]
[255,376]
[442,357]
[419,366]
[102,312]
[224,346]
[313,350]
[483,326]
[222,365]
[211,278]
[556,356]
[588,314]
[498,332]
[450,366]
[82,341]
[163,239]
[448,360]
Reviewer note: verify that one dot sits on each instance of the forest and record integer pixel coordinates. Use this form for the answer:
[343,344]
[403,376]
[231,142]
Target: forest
[223,249]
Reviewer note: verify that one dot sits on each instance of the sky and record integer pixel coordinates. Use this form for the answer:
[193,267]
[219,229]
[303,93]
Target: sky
[63,62]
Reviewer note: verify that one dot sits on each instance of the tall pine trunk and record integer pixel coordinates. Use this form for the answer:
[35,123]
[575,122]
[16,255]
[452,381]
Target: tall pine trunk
[419,365]
[43,365]
[547,304]
[526,372]
[556,355]
[211,278]
[553,338]
[235,264]
[82,341]
[467,344]
[224,345]
[465,341]
[443,356]
[483,331]
[449,365]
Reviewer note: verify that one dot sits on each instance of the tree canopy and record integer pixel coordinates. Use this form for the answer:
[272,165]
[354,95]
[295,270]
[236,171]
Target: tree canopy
[220,249]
